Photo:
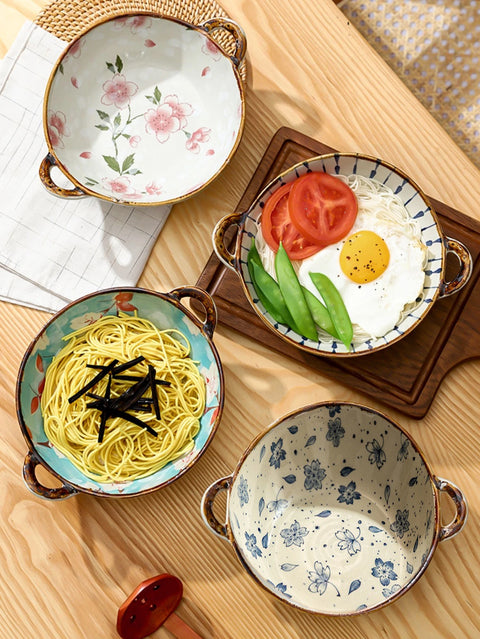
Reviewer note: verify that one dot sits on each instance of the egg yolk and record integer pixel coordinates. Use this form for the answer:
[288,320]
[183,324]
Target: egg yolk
[364,257]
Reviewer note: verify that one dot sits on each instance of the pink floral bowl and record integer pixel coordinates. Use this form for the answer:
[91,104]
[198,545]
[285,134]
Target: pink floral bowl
[143,110]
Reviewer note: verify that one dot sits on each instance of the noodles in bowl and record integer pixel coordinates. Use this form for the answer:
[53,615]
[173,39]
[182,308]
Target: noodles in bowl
[127,450]
[120,393]
[341,255]
[375,307]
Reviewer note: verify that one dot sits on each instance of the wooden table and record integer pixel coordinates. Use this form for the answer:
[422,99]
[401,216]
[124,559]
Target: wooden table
[67,566]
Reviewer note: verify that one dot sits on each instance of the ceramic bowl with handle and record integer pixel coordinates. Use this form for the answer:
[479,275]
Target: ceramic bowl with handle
[334,510]
[143,109]
[166,311]
[436,246]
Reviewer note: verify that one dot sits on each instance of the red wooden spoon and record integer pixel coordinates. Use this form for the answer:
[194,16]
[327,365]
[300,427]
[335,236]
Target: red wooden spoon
[151,605]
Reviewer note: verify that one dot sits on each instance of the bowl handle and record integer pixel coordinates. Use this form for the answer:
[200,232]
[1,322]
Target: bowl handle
[207,505]
[235,29]
[460,503]
[218,237]
[206,301]
[46,166]
[29,466]
[465,259]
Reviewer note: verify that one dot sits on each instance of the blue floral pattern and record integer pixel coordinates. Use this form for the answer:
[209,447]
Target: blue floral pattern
[401,523]
[320,579]
[314,475]
[384,571]
[278,454]
[243,491]
[348,493]
[349,541]
[294,534]
[377,454]
[327,479]
[335,431]
[251,545]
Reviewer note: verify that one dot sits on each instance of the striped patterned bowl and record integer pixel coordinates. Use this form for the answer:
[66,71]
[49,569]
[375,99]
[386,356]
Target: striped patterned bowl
[419,208]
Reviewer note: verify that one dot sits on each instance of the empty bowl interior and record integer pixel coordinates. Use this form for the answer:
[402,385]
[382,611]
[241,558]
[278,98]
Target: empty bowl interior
[418,208]
[333,509]
[144,109]
[161,312]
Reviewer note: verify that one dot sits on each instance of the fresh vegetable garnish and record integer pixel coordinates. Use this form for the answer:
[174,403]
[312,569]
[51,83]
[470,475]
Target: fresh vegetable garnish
[267,289]
[130,399]
[277,226]
[322,207]
[293,295]
[335,306]
[319,312]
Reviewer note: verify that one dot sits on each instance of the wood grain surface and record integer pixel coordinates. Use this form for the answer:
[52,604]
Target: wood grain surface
[67,567]
[407,374]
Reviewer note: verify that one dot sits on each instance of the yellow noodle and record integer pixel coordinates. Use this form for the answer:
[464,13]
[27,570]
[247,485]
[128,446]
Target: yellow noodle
[127,451]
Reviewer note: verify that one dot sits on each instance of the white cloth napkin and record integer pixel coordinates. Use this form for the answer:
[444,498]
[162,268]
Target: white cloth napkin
[54,250]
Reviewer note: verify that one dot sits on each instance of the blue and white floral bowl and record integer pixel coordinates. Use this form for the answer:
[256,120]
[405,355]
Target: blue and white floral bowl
[165,310]
[334,510]
[419,208]
[143,109]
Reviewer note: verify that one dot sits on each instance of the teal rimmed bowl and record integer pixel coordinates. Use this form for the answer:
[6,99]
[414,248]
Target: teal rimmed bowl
[165,310]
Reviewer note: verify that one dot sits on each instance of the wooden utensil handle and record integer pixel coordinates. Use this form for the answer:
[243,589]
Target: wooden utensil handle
[179,628]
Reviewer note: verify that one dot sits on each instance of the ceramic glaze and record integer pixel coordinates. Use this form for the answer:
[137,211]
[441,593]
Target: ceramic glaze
[333,509]
[417,206]
[143,109]
[163,310]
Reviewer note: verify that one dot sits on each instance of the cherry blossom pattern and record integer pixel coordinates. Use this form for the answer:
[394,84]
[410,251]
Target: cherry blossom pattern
[57,128]
[294,534]
[348,541]
[320,579]
[278,453]
[242,490]
[348,493]
[197,137]
[211,49]
[384,571]
[314,475]
[121,187]
[168,116]
[335,431]
[153,189]
[118,91]
[401,523]
[74,51]
[377,454]
[251,545]
[134,23]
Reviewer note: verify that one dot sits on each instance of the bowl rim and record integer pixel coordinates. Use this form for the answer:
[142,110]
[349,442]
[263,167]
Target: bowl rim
[278,180]
[18,386]
[436,506]
[52,155]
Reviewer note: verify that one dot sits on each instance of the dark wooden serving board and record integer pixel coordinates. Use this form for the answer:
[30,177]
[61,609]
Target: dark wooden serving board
[405,375]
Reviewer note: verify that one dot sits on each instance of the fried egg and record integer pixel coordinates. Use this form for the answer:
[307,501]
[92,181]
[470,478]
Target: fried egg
[378,270]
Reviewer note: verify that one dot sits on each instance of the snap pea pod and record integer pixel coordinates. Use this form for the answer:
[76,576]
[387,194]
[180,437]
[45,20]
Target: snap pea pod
[267,288]
[293,295]
[335,306]
[319,312]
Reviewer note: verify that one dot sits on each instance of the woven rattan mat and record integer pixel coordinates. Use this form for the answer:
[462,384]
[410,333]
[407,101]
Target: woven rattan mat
[434,47]
[67,19]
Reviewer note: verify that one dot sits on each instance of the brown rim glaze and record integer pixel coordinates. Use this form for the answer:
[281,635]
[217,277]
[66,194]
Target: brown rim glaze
[34,459]
[437,485]
[79,189]
[232,260]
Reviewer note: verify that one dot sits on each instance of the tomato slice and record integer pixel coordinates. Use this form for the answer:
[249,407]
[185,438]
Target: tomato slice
[278,227]
[322,207]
